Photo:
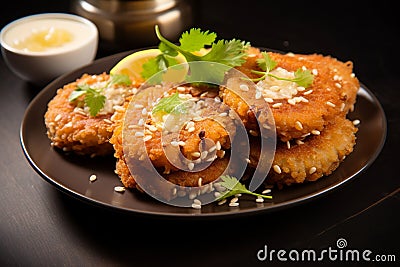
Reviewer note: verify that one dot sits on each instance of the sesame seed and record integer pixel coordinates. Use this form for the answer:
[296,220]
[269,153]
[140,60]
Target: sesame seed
[141,122]
[356,122]
[190,124]
[197,201]
[314,71]
[277,169]
[352,75]
[181,89]
[222,202]
[312,170]
[174,143]
[196,206]
[204,154]
[234,200]
[288,144]
[218,145]
[200,181]
[119,189]
[315,132]
[107,121]
[308,92]
[192,195]
[139,134]
[138,106]
[258,94]
[342,106]
[259,199]
[190,165]
[174,191]
[330,104]
[291,101]
[147,138]
[298,125]
[92,177]
[223,114]
[244,87]
[268,100]
[191,129]
[234,204]
[196,154]
[266,191]
[277,105]
[58,117]
[181,143]
[144,111]
[247,160]
[212,149]
[338,85]
[217,194]
[299,142]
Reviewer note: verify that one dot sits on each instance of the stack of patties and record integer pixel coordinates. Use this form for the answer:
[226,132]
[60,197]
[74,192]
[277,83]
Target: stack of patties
[181,134]
[310,97]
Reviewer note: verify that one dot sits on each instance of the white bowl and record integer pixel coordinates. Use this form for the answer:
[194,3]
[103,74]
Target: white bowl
[41,67]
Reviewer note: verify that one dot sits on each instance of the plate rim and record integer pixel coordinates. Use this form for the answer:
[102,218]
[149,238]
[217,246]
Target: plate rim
[223,214]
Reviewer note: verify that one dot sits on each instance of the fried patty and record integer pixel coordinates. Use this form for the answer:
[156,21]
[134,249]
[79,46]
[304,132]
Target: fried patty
[71,128]
[297,111]
[314,157]
[202,139]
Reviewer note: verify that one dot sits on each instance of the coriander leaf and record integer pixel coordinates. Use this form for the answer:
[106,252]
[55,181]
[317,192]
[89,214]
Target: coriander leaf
[230,53]
[266,63]
[76,94]
[151,67]
[169,104]
[95,101]
[196,39]
[122,79]
[234,187]
[301,77]
[154,65]
[167,50]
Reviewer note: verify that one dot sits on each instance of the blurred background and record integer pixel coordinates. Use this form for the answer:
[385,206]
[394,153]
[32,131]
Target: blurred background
[361,32]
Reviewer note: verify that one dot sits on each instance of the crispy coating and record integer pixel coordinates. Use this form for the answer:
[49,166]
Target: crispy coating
[332,93]
[194,138]
[71,129]
[315,157]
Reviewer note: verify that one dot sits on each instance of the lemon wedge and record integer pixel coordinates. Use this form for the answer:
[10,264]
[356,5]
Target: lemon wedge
[132,65]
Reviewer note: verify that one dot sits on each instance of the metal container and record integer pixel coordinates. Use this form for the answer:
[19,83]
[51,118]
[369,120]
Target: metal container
[129,24]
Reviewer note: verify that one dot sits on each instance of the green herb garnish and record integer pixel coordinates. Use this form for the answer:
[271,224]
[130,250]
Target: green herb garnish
[301,77]
[170,104]
[230,53]
[234,187]
[93,97]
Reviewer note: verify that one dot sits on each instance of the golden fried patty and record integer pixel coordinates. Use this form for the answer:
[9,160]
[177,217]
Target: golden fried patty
[70,126]
[297,111]
[199,139]
[312,158]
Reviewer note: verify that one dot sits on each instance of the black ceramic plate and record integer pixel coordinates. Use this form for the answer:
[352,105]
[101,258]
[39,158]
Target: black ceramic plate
[71,174]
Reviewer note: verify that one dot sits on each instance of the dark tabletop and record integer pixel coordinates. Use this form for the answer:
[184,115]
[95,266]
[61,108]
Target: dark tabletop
[42,226]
